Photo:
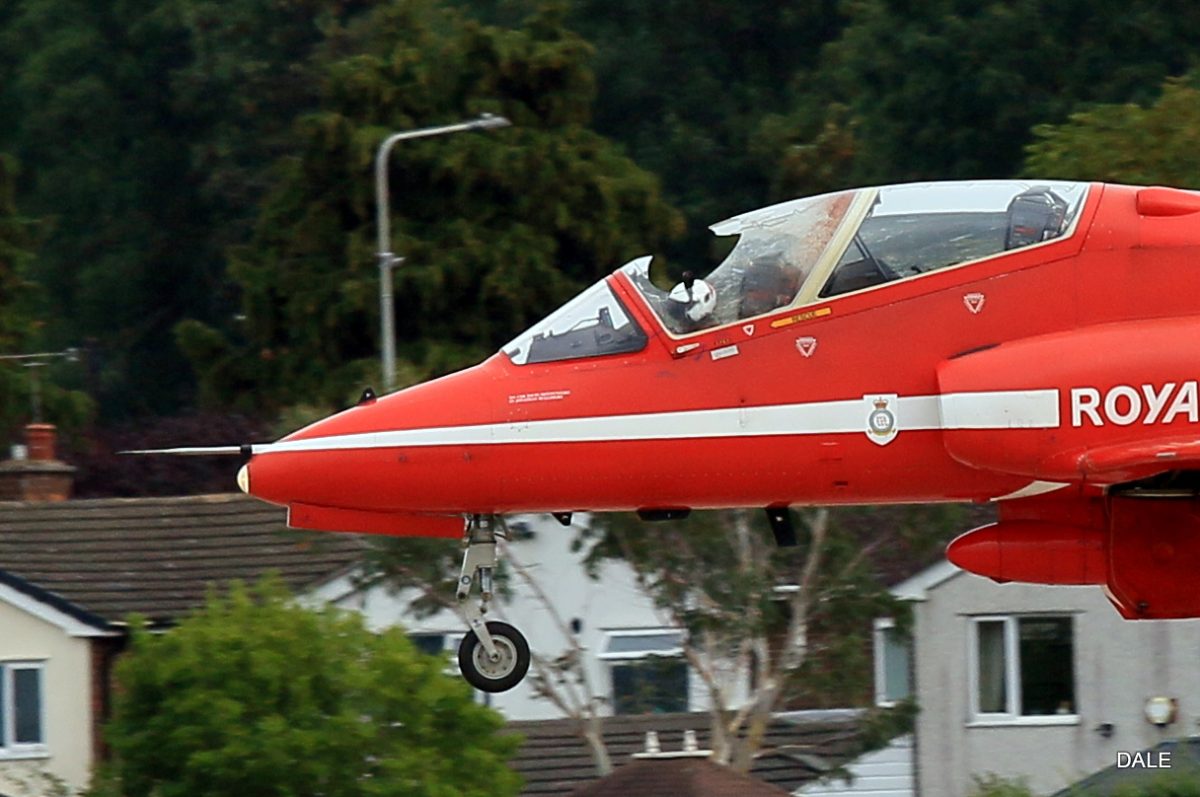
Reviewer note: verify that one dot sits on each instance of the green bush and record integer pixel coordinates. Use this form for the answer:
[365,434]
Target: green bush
[992,785]
[254,695]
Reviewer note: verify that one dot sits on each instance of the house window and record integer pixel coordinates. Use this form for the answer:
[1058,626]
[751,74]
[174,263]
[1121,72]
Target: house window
[429,644]
[649,675]
[1023,667]
[893,663]
[22,729]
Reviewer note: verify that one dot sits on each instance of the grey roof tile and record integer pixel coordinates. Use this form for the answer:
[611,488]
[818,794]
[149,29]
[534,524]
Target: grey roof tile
[158,557]
[678,777]
[555,761]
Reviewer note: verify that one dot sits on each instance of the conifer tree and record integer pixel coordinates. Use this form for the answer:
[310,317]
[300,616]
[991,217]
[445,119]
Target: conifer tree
[496,229]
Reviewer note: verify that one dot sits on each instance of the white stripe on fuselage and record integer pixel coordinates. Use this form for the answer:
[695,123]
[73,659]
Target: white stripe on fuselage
[1037,409]
[1001,409]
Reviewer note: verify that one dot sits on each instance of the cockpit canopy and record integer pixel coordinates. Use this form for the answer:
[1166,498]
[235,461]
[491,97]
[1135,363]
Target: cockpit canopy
[815,248]
[819,247]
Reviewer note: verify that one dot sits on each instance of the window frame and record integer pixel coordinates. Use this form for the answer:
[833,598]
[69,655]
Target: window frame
[882,698]
[443,636]
[10,749]
[625,658]
[1012,674]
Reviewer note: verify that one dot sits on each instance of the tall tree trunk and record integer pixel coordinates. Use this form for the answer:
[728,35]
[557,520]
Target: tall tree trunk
[593,735]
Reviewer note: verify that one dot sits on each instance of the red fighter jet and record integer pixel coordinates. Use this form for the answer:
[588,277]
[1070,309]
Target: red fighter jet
[1034,344]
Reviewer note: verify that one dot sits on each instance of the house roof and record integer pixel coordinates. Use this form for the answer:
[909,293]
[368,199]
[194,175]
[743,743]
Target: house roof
[799,747]
[1184,755]
[677,777]
[916,587]
[100,560]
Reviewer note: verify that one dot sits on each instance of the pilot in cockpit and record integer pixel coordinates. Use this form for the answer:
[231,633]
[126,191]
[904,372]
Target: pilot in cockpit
[767,284]
[691,303]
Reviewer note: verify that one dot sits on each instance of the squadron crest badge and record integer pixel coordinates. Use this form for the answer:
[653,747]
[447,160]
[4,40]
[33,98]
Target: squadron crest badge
[881,418]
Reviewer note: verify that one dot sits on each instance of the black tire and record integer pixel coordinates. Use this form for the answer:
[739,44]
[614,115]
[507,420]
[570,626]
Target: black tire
[500,676]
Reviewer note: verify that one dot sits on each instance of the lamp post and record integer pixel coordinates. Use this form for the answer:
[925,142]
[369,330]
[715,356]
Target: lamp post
[388,261]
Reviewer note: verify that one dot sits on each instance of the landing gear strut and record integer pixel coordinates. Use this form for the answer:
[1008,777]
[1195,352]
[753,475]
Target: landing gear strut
[493,656]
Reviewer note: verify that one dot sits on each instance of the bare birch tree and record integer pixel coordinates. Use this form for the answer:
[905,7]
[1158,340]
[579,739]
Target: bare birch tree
[764,626]
[563,679]
[768,626]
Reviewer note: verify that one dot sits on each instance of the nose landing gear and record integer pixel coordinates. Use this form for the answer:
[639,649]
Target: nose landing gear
[493,656]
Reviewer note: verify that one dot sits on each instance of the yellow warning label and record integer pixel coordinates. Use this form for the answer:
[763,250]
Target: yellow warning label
[805,316]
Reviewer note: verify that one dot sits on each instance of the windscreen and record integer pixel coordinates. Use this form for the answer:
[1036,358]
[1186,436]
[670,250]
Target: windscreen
[593,324]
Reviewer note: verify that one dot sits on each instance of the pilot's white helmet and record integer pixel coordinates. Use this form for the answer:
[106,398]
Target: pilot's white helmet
[698,303]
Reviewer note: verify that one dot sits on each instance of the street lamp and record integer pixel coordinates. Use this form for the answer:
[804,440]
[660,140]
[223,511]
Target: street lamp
[388,261]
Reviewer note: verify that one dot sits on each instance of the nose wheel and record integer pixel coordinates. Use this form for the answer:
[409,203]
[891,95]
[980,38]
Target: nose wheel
[493,656]
[499,674]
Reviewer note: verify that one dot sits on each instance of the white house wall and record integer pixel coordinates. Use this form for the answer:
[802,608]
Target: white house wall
[613,601]
[882,773]
[1119,664]
[66,700]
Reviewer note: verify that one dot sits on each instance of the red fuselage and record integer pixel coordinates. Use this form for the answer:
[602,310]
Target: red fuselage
[770,424]
[970,383]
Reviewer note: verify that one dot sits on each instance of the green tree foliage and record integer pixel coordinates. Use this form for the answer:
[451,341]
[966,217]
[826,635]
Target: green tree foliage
[247,77]
[16,325]
[992,785]
[20,302]
[685,86]
[809,160]
[154,134]
[254,695]
[16,242]
[1127,143]
[149,128]
[950,89]
[497,229]
[89,113]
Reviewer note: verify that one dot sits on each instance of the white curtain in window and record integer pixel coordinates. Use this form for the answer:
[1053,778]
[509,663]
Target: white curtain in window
[993,680]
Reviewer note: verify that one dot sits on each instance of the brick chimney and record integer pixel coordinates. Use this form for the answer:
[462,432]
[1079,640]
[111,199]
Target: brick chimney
[33,473]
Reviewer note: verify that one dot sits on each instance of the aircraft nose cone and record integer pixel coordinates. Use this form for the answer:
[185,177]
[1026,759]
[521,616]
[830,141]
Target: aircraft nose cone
[243,478]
